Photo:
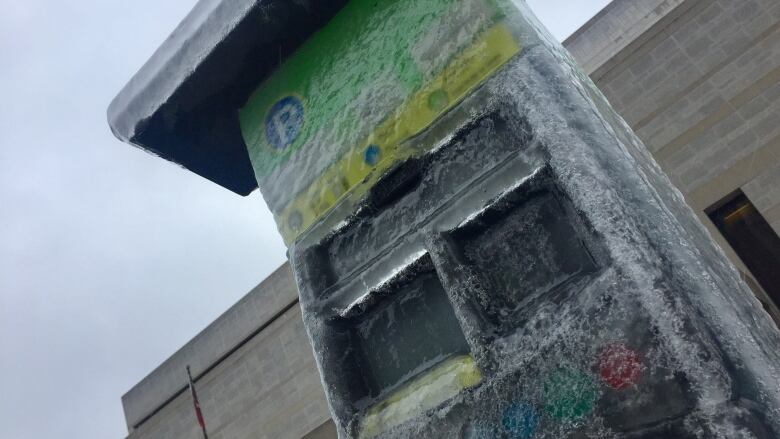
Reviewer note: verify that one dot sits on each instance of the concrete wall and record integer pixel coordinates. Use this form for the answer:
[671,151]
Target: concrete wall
[697,79]
[619,24]
[256,310]
[268,388]
[702,90]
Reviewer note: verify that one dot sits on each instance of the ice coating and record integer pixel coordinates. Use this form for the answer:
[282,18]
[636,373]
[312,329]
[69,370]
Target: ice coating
[521,268]
[336,114]
[181,105]
[158,79]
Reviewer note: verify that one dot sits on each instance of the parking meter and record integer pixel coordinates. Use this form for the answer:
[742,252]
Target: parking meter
[482,246]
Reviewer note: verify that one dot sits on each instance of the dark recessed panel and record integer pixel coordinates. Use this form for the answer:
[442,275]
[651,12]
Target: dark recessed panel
[411,330]
[525,248]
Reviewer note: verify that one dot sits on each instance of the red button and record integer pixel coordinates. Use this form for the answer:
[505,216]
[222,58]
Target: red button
[619,366]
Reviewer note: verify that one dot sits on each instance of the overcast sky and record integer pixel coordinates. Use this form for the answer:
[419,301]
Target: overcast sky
[110,259]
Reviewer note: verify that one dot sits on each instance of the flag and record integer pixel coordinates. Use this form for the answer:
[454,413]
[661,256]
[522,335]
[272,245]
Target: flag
[196,403]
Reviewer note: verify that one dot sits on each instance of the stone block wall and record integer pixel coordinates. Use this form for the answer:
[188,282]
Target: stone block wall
[702,90]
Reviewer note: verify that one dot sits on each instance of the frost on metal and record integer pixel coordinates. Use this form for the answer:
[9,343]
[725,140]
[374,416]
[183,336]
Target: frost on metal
[181,105]
[484,249]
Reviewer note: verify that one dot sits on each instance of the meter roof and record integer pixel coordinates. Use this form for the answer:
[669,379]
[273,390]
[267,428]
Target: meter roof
[182,105]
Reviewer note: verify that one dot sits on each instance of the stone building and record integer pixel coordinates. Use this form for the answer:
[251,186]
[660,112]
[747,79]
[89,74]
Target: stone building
[699,81]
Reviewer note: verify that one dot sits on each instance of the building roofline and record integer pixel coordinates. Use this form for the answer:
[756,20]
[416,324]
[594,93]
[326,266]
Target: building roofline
[590,23]
[275,295]
[622,22]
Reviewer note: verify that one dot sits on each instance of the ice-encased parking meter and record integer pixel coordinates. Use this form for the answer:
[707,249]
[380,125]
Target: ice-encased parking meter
[483,248]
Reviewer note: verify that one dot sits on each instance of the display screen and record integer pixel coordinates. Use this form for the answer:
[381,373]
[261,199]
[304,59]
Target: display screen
[410,332]
[525,251]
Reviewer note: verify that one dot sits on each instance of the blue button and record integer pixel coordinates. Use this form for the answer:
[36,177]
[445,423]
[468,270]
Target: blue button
[372,155]
[520,421]
[284,122]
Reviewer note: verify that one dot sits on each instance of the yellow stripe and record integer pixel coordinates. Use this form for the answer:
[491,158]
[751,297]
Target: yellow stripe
[440,384]
[352,176]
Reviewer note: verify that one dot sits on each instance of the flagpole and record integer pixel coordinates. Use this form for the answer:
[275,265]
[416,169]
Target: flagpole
[196,403]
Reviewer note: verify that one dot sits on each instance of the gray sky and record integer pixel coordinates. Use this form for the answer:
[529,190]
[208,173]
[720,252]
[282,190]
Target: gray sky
[110,259]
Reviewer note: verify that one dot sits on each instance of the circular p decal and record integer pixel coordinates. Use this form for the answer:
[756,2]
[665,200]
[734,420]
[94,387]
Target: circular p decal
[284,122]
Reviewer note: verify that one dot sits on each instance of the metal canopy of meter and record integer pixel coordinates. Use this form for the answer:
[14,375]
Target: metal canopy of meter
[182,105]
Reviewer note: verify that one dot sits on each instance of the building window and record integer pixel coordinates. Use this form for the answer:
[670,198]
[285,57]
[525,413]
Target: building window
[752,238]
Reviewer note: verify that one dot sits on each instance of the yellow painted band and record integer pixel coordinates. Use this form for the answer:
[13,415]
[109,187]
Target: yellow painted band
[426,392]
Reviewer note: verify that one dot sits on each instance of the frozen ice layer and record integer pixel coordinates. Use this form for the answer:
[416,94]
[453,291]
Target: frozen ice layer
[522,248]
[415,329]
[181,105]
[335,115]
[484,249]
[441,383]
[482,246]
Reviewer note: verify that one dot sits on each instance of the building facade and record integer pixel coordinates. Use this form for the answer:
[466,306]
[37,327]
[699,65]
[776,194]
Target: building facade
[699,81]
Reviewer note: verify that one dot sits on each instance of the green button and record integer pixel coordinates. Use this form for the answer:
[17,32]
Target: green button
[438,100]
[569,394]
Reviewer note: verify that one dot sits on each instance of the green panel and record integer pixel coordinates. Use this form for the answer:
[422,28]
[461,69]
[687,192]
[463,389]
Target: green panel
[372,51]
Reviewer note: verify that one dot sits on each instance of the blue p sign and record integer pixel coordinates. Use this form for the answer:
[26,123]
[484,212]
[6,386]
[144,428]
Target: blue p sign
[283,123]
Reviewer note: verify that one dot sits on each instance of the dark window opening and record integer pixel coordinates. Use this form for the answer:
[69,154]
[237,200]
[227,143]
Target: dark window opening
[413,329]
[528,248]
[752,238]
